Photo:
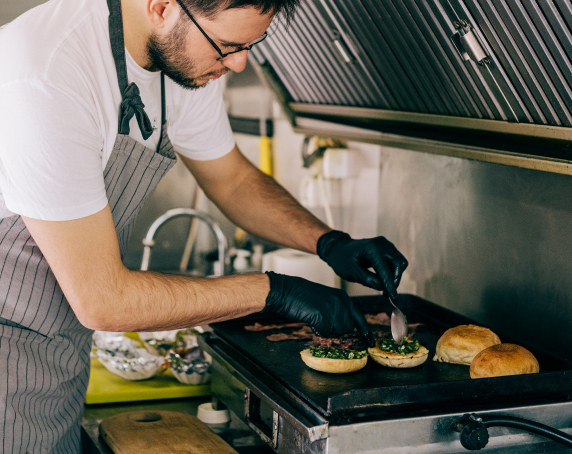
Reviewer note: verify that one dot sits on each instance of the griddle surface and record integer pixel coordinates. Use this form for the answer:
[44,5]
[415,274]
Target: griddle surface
[377,388]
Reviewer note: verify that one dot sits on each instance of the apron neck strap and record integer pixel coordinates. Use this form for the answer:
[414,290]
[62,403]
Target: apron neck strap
[131,104]
[163,103]
[118,43]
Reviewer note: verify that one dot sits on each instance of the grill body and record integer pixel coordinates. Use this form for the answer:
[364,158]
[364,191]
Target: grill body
[379,410]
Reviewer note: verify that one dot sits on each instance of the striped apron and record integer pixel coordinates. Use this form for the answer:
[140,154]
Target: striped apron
[44,350]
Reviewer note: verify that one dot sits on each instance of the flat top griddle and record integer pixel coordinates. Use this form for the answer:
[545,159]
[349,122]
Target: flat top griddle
[377,389]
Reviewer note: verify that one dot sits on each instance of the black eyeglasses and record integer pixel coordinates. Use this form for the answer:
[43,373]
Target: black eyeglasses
[222,56]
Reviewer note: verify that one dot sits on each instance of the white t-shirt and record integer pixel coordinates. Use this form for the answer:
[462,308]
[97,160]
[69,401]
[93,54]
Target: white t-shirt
[59,103]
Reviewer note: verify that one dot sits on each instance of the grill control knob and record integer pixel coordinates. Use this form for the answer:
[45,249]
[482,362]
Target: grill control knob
[474,435]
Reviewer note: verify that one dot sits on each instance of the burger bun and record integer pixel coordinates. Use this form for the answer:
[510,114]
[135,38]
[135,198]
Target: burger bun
[503,359]
[398,360]
[331,365]
[459,345]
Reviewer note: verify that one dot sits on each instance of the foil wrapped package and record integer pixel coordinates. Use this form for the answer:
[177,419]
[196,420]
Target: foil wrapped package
[190,365]
[123,356]
[159,342]
[176,349]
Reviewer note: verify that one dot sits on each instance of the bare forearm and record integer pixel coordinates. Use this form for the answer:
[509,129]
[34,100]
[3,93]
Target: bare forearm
[257,203]
[273,214]
[149,301]
[85,258]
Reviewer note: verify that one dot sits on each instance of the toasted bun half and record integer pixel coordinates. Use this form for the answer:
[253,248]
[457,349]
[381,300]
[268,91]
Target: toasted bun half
[333,366]
[503,359]
[461,344]
[397,359]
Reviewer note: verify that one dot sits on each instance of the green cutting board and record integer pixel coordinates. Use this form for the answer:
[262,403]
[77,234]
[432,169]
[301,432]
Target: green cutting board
[106,387]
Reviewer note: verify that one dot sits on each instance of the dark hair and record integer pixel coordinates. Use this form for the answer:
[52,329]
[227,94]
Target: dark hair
[210,8]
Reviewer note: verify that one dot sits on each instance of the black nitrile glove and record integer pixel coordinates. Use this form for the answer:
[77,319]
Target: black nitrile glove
[328,311]
[351,260]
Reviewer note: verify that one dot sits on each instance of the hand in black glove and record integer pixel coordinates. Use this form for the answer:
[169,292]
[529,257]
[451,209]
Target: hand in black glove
[351,260]
[328,311]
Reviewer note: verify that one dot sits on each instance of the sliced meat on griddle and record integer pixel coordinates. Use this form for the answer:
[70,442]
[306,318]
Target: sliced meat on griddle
[302,334]
[379,325]
[378,319]
[352,341]
[260,327]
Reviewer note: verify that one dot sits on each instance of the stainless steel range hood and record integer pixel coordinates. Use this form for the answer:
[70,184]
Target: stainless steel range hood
[482,79]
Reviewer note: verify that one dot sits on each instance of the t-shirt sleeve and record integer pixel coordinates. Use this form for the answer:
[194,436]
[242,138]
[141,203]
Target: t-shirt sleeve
[50,153]
[203,130]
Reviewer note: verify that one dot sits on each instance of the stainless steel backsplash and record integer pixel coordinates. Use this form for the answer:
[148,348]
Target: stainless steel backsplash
[486,240]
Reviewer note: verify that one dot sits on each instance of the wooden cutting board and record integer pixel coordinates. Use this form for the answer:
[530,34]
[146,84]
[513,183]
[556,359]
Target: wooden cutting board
[160,432]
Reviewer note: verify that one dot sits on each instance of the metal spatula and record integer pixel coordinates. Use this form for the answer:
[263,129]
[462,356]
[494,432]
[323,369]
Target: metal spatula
[398,324]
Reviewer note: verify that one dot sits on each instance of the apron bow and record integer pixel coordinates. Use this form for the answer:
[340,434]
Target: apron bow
[132,105]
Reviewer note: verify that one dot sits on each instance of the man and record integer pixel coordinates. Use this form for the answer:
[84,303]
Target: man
[88,125]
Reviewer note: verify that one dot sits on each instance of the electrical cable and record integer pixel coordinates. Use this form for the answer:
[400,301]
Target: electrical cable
[474,433]
[529,426]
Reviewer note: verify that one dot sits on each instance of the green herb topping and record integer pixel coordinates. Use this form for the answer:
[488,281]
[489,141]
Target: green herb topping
[389,345]
[336,353]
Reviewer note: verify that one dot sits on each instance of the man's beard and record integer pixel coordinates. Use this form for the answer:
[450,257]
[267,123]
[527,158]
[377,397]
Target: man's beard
[169,57]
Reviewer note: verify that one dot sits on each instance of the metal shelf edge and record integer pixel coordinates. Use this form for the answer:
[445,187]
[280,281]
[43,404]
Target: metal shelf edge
[521,129]
[310,126]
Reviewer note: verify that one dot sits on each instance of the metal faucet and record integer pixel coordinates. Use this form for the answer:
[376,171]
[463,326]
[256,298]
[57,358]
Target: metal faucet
[149,242]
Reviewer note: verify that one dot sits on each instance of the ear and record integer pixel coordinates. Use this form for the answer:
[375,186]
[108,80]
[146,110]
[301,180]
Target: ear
[161,12]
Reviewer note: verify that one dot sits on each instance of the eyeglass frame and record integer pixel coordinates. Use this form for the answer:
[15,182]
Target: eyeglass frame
[212,43]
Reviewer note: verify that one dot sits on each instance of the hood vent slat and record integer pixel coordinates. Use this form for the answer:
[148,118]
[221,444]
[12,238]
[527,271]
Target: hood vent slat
[454,71]
[410,56]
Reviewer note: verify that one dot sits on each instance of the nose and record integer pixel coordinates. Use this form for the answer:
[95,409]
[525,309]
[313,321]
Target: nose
[236,62]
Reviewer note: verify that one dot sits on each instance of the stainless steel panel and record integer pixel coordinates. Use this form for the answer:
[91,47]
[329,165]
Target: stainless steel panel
[378,90]
[403,58]
[287,56]
[517,61]
[412,432]
[322,56]
[441,55]
[551,66]
[226,388]
[309,126]
[376,53]
[318,70]
[436,21]
[413,58]
[263,56]
[565,9]
[434,434]
[520,129]
[289,406]
[491,242]
[369,90]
